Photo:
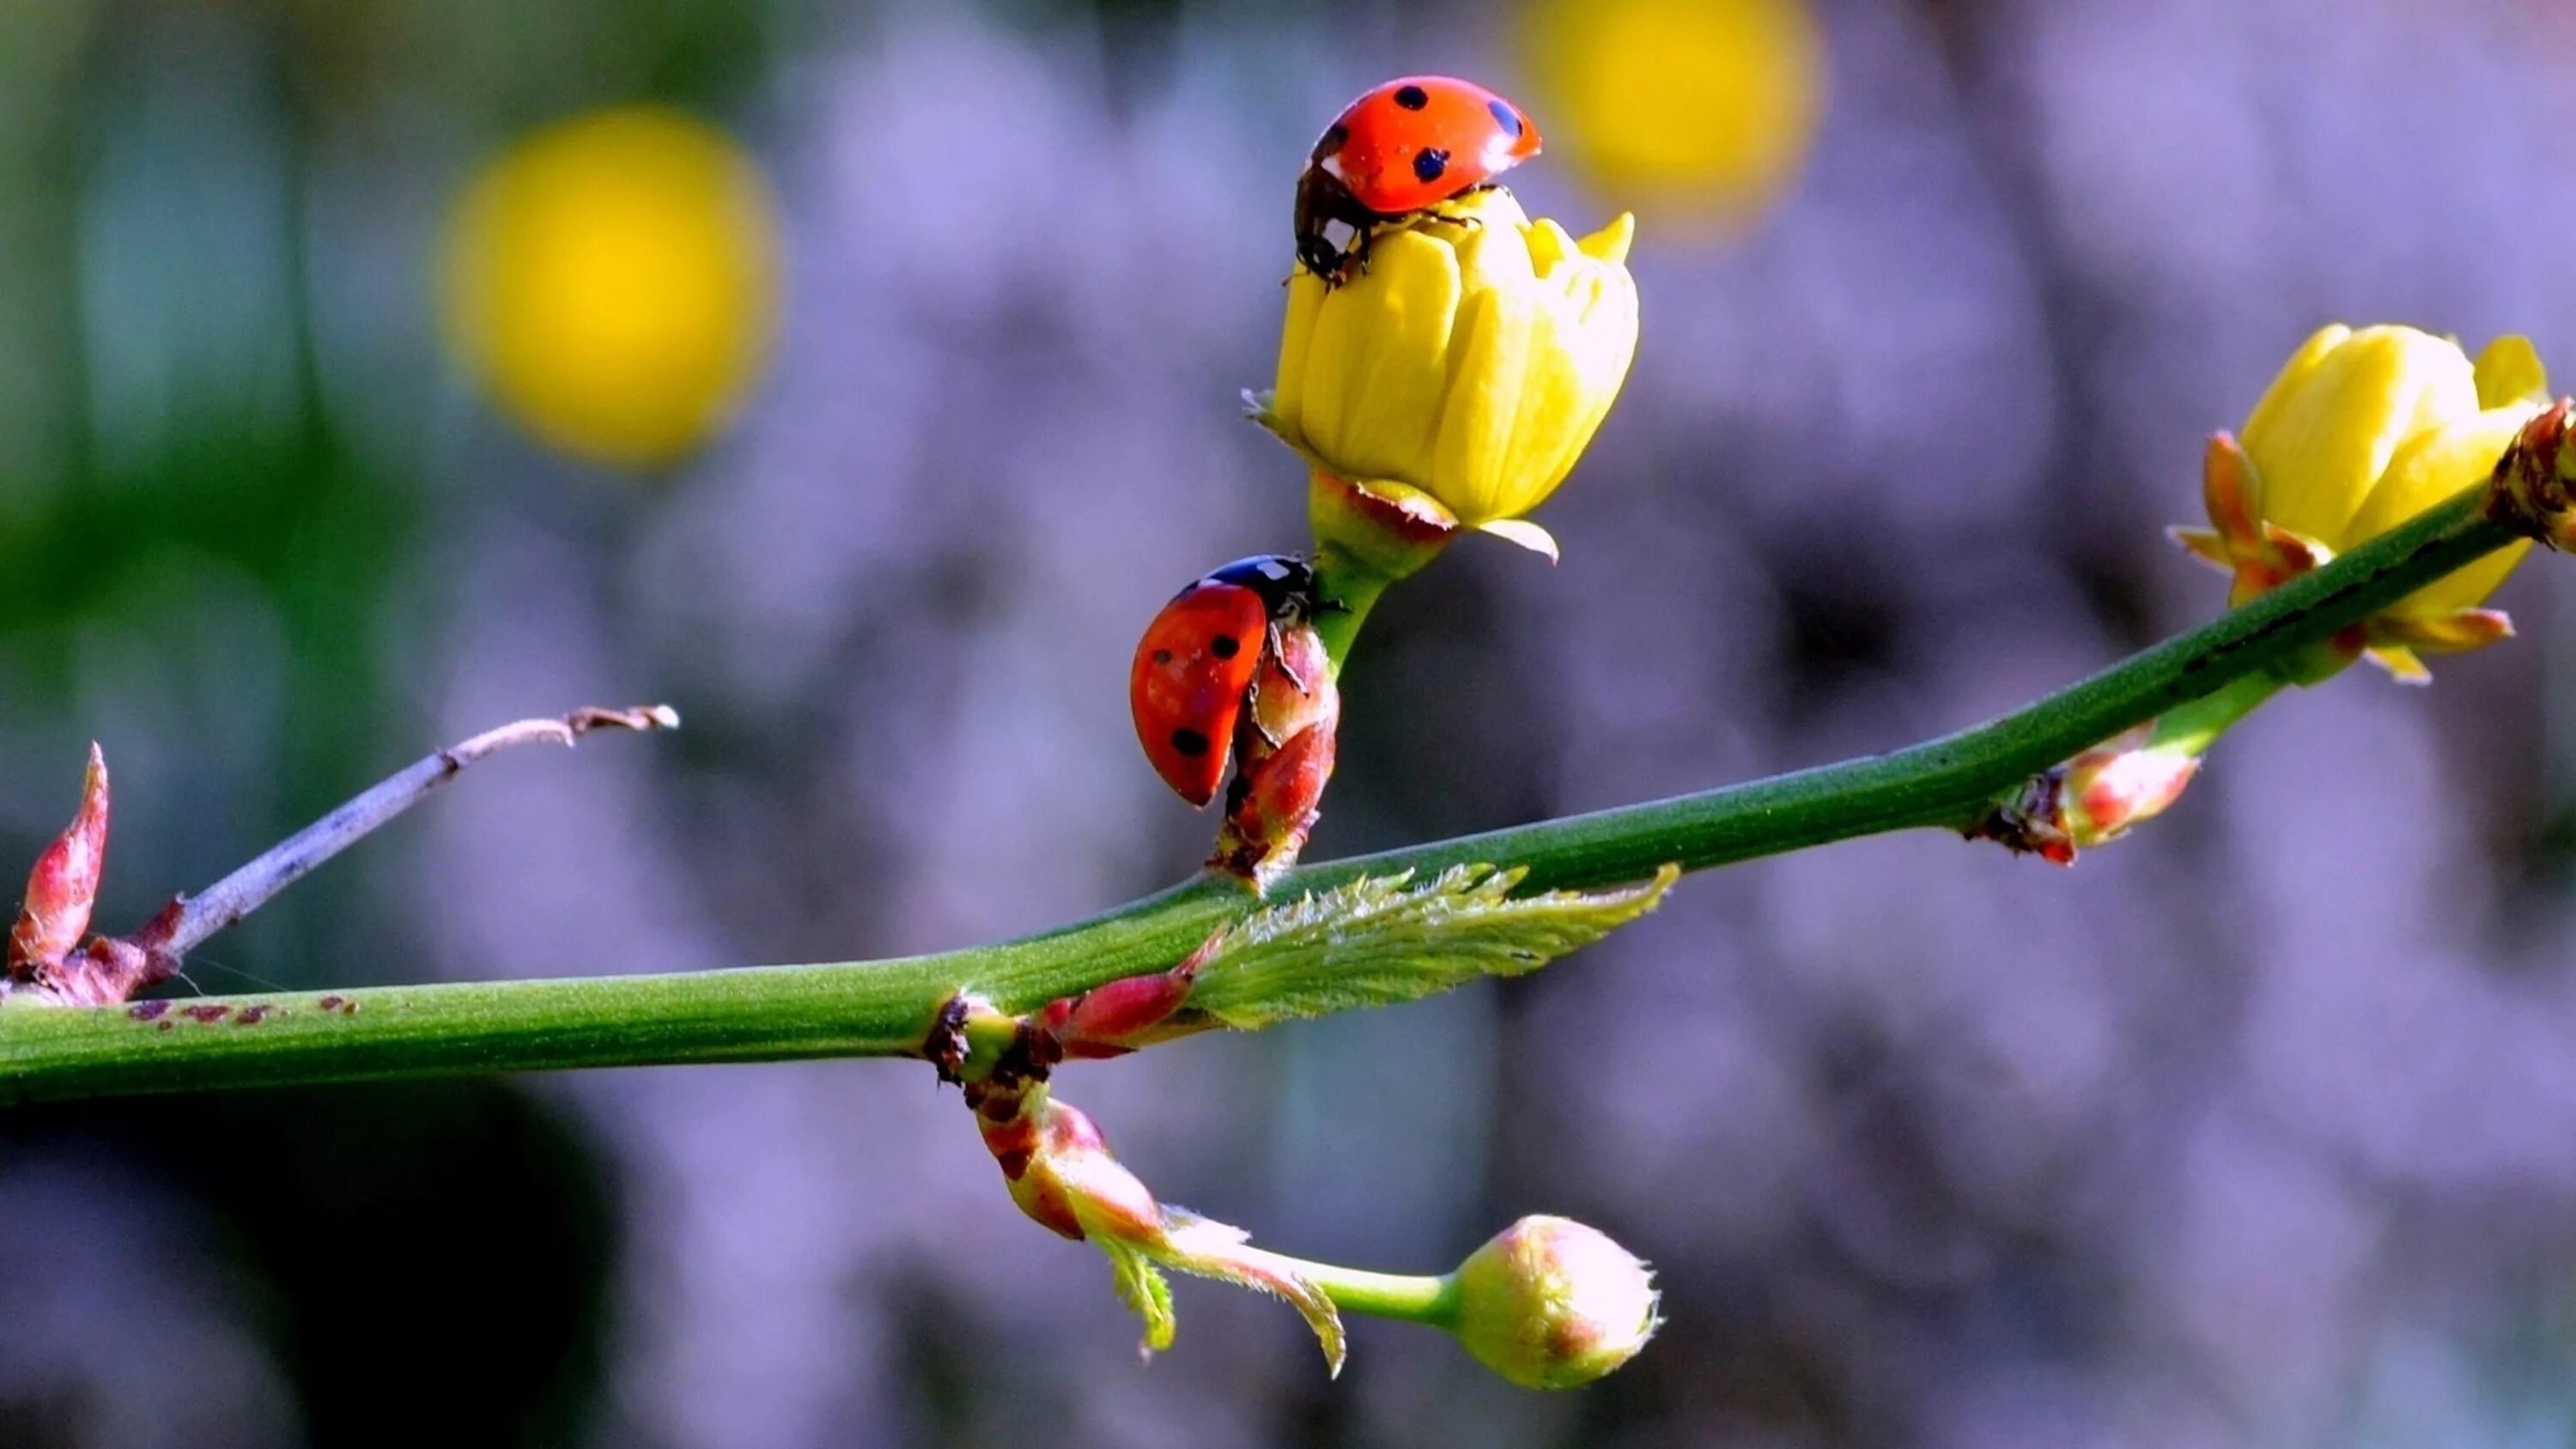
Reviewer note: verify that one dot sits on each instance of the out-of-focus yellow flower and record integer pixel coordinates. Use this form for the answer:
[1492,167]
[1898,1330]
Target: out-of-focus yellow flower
[1464,373]
[2361,432]
[1692,107]
[612,281]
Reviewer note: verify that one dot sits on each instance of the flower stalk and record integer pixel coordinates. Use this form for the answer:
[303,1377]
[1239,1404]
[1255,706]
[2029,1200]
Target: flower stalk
[1547,1303]
[887,1008]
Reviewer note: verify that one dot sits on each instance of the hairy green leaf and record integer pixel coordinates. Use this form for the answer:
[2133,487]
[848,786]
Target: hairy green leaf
[1383,940]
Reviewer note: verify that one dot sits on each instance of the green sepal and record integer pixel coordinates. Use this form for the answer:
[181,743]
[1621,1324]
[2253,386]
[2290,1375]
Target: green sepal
[1141,1286]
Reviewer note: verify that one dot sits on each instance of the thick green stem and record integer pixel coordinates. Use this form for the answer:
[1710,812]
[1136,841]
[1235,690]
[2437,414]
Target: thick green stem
[1345,592]
[886,1008]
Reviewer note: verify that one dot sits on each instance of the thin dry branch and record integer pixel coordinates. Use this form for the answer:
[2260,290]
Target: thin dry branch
[114,969]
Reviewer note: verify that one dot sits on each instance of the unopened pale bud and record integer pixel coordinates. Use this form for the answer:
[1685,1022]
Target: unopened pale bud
[1551,1304]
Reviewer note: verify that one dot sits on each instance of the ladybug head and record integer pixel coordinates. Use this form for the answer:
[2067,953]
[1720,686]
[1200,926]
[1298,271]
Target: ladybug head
[1285,582]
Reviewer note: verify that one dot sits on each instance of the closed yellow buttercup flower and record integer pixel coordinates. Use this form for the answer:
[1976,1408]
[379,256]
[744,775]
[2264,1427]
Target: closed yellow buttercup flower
[1467,368]
[611,281]
[2362,431]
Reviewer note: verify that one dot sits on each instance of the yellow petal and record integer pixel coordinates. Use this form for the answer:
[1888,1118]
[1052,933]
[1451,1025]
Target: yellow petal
[2509,371]
[2204,544]
[1393,406]
[1610,243]
[1554,416]
[1600,349]
[1548,245]
[2294,375]
[2318,452]
[2400,662]
[2432,466]
[1296,336]
[1490,366]
[1523,532]
[1388,329]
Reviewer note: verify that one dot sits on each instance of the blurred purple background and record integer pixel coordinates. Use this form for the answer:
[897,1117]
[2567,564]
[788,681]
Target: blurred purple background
[2258,1128]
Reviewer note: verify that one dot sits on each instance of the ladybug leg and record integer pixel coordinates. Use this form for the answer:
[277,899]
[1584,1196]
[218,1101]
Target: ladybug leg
[1323,199]
[1355,261]
[1287,664]
[1467,220]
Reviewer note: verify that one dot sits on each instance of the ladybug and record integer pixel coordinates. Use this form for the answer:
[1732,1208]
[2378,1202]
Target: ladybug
[1198,662]
[1403,148]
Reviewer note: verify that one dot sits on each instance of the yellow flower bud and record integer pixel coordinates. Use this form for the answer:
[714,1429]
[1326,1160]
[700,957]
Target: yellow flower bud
[2429,467]
[1470,364]
[611,282]
[2325,431]
[1551,1304]
[2362,431]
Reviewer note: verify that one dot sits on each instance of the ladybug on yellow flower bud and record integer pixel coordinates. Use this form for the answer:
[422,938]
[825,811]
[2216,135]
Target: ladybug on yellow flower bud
[1198,662]
[1403,148]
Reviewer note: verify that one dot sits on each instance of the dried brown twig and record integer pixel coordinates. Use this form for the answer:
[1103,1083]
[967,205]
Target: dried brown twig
[45,962]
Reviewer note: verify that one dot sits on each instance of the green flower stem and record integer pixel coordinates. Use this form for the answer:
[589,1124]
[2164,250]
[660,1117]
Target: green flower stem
[1346,591]
[1403,1297]
[2193,727]
[887,1008]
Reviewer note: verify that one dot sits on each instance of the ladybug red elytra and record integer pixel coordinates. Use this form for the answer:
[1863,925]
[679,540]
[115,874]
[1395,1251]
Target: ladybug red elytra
[1199,659]
[1406,146]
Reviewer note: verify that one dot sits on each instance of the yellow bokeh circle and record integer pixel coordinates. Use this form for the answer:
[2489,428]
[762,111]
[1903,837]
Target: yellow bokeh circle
[612,282]
[1685,108]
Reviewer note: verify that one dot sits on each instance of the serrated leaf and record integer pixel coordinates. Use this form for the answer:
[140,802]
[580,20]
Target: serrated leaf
[1215,1250]
[1383,940]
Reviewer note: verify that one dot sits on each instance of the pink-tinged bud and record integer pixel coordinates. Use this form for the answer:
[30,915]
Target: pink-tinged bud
[2536,478]
[1551,1304]
[1115,1017]
[2114,786]
[1284,758]
[1294,690]
[1073,1185]
[64,884]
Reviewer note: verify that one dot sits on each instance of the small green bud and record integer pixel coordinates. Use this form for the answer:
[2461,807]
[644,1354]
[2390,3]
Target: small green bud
[1550,1304]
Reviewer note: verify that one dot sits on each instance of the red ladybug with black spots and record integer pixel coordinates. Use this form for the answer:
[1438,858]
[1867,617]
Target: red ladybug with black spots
[1403,148]
[1199,659]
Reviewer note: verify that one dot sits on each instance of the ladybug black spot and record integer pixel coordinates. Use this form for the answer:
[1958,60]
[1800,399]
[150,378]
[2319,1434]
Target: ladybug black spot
[1189,742]
[1506,117]
[1162,656]
[1429,162]
[1225,646]
[1412,98]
